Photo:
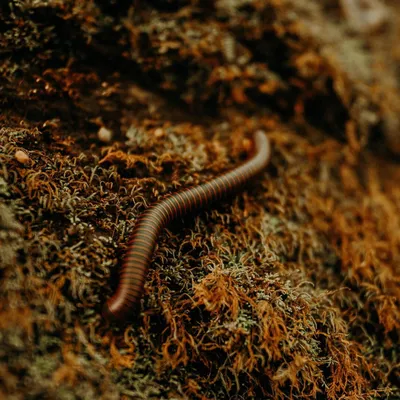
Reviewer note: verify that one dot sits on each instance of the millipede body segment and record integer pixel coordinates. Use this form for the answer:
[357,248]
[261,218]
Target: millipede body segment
[150,224]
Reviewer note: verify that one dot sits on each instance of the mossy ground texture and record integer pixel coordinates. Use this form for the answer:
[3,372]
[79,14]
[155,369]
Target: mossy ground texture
[289,290]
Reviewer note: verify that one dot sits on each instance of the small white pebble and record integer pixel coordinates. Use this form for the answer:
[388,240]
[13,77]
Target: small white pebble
[159,132]
[22,157]
[104,135]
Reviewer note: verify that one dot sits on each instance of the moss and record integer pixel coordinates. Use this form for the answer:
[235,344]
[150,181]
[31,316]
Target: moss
[288,290]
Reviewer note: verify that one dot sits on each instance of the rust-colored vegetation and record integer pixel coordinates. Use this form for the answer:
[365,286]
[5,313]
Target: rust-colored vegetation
[289,290]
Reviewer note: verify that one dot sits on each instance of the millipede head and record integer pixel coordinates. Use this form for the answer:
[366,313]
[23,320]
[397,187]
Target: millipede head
[122,315]
[107,314]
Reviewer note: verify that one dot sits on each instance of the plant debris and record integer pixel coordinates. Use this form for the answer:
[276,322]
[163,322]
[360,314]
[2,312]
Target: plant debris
[290,290]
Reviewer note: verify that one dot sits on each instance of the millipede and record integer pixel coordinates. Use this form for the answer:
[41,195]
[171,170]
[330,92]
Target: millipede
[143,239]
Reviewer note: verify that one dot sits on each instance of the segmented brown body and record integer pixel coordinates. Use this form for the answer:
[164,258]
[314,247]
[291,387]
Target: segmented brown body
[155,218]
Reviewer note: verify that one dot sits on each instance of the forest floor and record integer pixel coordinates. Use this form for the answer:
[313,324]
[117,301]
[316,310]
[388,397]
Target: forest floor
[289,290]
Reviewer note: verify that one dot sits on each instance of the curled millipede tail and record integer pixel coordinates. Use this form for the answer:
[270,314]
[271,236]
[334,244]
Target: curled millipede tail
[149,225]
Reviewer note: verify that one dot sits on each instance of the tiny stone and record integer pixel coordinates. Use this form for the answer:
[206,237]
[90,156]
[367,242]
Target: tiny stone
[247,145]
[159,132]
[22,157]
[104,134]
